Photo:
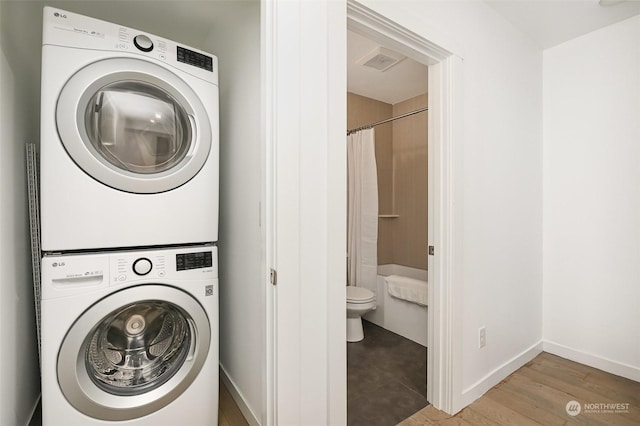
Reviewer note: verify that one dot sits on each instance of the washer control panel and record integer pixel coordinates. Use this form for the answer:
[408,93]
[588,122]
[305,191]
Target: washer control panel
[67,274]
[182,263]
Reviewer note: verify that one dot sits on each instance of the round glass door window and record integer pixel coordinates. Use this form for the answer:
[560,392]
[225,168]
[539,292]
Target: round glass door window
[138,127]
[137,348]
[133,352]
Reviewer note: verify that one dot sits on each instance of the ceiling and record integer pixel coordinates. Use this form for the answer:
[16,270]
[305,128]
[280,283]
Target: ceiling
[547,22]
[402,81]
[552,22]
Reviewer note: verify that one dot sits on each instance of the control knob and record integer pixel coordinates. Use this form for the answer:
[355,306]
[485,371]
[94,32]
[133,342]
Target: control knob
[142,266]
[143,43]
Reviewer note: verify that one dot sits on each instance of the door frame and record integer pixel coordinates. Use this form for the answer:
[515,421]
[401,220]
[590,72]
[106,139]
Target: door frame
[303,48]
[304,123]
[444,361]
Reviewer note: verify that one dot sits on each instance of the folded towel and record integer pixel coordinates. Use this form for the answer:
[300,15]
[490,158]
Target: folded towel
[408,289]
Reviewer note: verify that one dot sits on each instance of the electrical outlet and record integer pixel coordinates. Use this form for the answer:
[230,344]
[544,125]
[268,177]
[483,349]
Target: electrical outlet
[482,337]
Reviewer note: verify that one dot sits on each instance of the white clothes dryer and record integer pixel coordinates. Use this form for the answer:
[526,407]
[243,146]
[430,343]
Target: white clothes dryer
[129,137]
[130,337]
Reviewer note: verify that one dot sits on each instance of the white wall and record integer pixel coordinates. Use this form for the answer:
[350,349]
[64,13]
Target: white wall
[498,183]
[592,199]
[20,384]
[236,41]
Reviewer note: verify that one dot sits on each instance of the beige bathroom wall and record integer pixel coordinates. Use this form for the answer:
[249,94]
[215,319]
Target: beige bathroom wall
[361,111]
[410,184]
[401,159]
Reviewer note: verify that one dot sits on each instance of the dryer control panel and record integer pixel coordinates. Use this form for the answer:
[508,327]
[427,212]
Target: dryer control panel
[68,29]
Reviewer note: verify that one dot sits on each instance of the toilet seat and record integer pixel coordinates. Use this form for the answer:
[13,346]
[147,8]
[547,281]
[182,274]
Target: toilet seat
[358,295]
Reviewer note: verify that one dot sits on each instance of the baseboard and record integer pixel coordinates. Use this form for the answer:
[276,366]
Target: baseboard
[480,387]
[238,398]
[610,366]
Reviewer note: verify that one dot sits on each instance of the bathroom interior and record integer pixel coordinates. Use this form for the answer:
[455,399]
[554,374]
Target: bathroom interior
[387,233]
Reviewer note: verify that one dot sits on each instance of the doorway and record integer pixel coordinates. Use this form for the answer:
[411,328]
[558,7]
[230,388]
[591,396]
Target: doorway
[387,149]
[306,321]
[443,328]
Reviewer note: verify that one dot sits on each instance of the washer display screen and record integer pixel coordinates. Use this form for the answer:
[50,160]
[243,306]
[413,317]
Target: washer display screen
[186,261]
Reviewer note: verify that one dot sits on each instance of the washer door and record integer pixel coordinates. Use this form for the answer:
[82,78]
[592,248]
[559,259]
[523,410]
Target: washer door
[133,352]
[133,125]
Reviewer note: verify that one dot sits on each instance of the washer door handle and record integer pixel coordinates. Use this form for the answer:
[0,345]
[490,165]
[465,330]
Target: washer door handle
[194,340]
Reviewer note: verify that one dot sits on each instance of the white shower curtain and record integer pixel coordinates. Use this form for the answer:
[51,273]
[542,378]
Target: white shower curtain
[362,224]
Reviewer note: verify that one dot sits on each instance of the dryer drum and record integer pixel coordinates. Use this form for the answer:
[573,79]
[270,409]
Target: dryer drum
[138,347]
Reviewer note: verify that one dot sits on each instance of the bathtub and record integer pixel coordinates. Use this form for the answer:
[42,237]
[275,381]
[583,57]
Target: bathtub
[399,316]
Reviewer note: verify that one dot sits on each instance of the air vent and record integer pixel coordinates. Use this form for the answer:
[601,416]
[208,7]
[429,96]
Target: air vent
[381,59]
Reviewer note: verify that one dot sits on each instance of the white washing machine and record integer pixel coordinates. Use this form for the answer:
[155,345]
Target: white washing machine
[129,137]
[130,337]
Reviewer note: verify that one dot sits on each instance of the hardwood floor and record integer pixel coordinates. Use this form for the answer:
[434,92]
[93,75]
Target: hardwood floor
[538,394]
[228,412]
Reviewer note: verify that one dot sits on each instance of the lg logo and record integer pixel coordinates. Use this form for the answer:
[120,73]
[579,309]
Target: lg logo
[59,15]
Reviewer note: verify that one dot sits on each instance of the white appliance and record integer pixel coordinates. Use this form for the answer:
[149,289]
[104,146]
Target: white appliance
[129,137]
[130,337]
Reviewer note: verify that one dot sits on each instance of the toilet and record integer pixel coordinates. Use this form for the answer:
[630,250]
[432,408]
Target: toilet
[359,301]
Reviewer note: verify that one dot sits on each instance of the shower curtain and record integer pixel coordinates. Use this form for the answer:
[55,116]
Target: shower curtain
[362,224]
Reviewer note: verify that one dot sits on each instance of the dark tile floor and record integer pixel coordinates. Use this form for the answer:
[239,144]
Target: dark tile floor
[386,378]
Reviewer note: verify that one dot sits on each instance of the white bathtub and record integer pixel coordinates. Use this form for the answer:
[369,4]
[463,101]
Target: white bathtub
[399,316]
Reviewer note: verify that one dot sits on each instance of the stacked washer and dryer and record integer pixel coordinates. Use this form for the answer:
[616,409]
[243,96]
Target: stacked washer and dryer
[129,224]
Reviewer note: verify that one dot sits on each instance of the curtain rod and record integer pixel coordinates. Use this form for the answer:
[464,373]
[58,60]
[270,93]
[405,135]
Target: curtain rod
[369,126]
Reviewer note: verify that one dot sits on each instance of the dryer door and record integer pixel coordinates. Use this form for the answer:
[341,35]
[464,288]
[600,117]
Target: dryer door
[133,352]
[133,125]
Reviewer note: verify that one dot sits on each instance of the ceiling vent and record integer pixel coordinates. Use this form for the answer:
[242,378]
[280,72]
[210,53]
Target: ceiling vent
[381,59]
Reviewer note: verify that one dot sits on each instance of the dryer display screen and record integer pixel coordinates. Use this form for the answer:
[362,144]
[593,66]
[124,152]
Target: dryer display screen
[186,261]
[194,58]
